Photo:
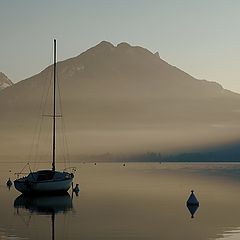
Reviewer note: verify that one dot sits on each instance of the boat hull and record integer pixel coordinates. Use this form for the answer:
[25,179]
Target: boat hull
[43,187]
[30,185]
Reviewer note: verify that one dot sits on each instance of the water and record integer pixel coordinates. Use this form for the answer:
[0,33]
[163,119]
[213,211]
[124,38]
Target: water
[136,201]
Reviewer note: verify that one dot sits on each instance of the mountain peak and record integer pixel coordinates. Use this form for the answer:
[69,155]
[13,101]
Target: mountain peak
[4,81]
[157,54]
[105,44]
[123,45]
[2,75]
[127,62]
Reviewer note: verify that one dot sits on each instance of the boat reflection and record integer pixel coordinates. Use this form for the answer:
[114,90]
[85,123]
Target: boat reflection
[45,205]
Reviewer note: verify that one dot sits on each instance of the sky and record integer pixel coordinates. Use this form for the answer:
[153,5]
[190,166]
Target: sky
[200,37]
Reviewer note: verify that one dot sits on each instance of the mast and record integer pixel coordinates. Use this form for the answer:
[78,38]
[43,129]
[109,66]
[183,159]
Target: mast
[54,108]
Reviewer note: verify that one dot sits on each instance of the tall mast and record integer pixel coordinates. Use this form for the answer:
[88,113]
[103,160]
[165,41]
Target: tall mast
[54,108]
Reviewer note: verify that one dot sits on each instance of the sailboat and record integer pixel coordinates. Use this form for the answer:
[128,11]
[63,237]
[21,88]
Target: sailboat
[47,181]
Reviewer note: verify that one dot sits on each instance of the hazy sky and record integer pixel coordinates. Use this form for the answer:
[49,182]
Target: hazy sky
[200,37]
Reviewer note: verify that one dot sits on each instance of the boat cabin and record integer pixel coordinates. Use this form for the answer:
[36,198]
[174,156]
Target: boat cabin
[45,175]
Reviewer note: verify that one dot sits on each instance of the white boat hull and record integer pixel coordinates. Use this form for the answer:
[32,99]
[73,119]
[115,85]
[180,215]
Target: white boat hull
[30,185]
[60,186]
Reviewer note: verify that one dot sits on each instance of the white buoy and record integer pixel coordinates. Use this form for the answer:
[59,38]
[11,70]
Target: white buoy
[192,200]
[9,182]
[76,189]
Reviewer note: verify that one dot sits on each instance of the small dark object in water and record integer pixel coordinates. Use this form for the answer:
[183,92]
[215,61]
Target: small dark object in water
[9,182]
[192,204]
[95,163]
[192,200]
[124,164]
[192,209]
[76,189]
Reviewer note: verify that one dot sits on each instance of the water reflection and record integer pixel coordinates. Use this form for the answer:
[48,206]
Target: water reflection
[233,234]
[9,183]
[44,205]
[192,209]
[117,203]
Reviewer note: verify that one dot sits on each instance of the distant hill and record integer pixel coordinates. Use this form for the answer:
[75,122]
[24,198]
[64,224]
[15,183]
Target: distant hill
[122,99]
[4,81]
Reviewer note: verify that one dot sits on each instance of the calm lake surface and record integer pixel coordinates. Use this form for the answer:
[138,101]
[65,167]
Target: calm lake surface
[136,201]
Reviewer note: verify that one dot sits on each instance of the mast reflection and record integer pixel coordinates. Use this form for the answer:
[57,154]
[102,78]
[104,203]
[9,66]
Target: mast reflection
[45,205]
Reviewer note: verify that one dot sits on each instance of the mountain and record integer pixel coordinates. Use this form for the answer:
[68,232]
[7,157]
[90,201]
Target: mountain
[4,81]
[120,99]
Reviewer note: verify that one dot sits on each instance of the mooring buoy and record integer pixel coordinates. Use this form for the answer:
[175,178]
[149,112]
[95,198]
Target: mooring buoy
[192,200]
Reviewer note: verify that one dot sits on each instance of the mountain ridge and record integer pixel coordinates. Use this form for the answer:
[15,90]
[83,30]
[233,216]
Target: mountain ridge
[122,99]
[105,46]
